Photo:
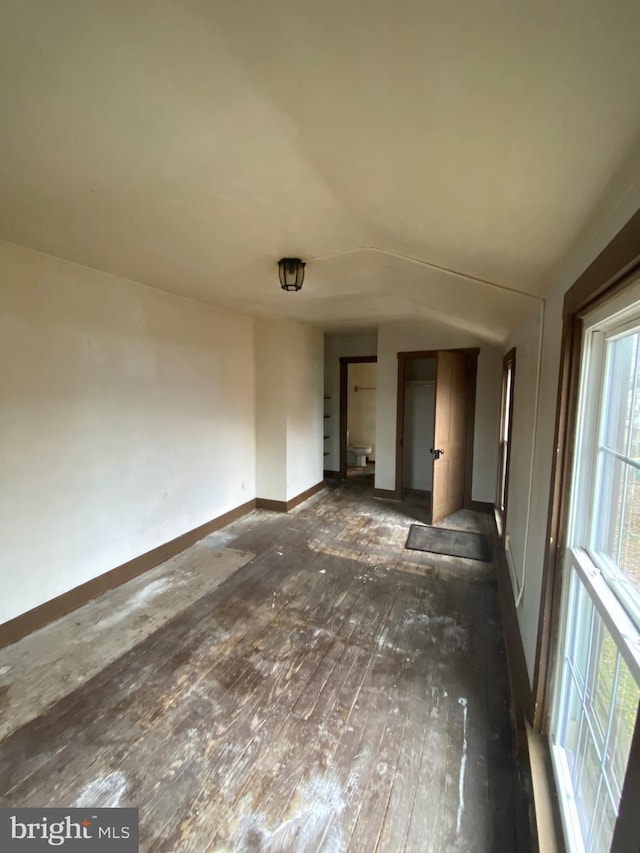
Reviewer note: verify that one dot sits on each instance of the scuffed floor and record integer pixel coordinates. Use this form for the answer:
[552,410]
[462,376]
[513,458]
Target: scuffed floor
[336,692]
[48,664]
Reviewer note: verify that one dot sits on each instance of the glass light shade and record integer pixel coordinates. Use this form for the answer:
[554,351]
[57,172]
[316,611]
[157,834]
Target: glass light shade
[291,272]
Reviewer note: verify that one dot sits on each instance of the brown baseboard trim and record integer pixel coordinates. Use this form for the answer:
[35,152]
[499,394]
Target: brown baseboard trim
[390,494]
[331,475]
[275,506]
[531,749]
[40,616]
[519,687]
[303,496]
[482,506]
[285,506]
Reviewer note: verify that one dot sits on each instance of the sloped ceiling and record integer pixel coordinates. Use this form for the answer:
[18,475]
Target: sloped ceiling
[188,145]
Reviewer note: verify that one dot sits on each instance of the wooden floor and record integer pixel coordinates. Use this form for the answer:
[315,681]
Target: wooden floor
[335,693]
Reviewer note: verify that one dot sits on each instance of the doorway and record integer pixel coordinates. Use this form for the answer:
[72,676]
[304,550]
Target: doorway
[435,426]
[358,387]
[417,438]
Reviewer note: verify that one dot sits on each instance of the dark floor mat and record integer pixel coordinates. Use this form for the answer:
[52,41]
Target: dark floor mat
[454,543]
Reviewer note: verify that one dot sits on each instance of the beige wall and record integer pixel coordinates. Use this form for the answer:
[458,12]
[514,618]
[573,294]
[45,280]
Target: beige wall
[409,336]
[289,422]
[126,419]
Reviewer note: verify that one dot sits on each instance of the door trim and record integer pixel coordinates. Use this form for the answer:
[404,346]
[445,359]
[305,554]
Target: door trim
[501,514]
[345,361]
[472,376]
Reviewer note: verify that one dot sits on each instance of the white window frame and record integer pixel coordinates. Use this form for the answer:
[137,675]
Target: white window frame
[625,636]
[611,320]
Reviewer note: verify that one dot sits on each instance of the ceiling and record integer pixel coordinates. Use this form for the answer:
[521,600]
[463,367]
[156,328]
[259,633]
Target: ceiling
[188,145]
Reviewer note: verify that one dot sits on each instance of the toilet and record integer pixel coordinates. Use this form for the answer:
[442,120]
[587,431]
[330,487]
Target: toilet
[357,455]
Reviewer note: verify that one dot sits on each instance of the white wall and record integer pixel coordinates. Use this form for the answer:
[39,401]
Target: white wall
[289,416]
[524,518]
[271,411]
[305,364]
[361,408]
[126,419]
[409,336]
[335,348]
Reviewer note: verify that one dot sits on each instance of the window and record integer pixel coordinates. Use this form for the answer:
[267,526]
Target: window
[614,541]
[504,450]
[597,684]
[598,704]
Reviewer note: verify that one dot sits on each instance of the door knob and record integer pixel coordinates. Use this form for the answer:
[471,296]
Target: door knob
[436,453]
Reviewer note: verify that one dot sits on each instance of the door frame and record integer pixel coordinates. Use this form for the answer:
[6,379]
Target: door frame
[345,361]
[509,361]
[472,375]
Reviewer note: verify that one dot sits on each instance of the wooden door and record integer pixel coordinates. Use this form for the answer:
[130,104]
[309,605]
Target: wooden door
[448,452]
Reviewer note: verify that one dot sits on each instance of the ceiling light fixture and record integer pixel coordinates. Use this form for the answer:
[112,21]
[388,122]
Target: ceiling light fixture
[291,271]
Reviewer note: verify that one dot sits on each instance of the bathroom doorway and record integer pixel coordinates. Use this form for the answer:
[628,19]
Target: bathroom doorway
[358,387]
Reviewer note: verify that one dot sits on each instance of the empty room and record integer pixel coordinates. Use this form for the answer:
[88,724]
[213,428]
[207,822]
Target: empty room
[319,426]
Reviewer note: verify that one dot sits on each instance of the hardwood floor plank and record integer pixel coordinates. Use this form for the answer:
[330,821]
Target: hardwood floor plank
[370,710]
[269,808]
[288,668]
[433,823]
[389,810]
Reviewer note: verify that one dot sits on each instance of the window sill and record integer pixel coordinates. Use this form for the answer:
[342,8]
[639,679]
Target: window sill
[548,823]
